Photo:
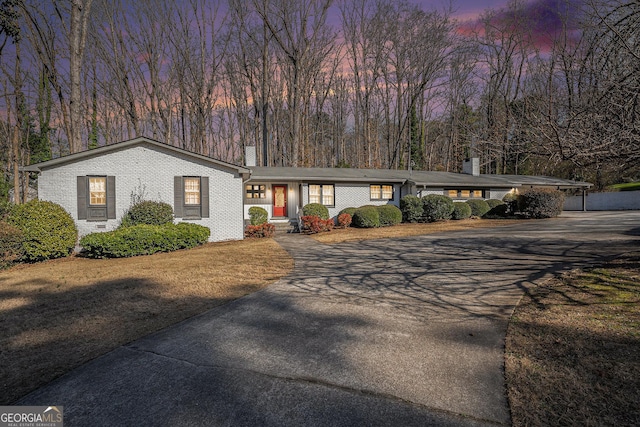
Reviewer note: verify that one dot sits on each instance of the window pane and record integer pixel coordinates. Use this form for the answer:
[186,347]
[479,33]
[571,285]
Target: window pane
[375,192]
[477,193]
[191,191]
[314,193]
[453,193]
[327,195]
[387,192]
[255,191]
[464,193]
[98,191]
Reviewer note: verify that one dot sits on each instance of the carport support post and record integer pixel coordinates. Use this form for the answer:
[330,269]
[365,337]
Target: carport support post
[584,200]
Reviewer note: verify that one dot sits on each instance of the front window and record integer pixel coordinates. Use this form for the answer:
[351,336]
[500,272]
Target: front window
[465,194]
[256,191]
[192,191]
[322,193]
[98,191]
[381,192]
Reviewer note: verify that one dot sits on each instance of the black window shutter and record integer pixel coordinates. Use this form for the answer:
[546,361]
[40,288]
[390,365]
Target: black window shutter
[111,197]
[204,197]
[178,196]
[82,197]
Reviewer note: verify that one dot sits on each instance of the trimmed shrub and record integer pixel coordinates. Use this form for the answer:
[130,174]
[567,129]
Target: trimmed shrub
[48,230]
[315,209]
[258,215]
[366,217]
[461,210]
[479,207]
[148,212]
[344,220]
[411,208]
[11,248]
[497,209]
[494,202]
[312,224]
[260,231]
[511,200]
[436,207]
[389,215]
[190,235]
[349,211]
[541,202]
[144,239]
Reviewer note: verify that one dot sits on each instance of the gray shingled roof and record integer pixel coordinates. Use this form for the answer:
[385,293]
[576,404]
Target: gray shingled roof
[327,174]
[539,180]
[125,144]
[456,180]
[419,178]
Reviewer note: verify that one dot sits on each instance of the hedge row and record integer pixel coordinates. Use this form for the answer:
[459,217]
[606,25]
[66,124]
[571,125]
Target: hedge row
[144,239]
[532,203]
[376,216]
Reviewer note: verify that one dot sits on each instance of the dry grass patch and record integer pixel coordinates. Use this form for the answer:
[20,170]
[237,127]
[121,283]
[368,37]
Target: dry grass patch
[59,314]
[573,349]
[405,230]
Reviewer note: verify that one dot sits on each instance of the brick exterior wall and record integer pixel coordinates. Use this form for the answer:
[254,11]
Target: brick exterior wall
[152,169]
[353,196]
[497,194]
[438,191]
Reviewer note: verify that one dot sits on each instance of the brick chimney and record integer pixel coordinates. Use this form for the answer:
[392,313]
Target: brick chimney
[250,155]
[471,166]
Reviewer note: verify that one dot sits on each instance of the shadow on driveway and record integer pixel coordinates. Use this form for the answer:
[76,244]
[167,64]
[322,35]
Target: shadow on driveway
[383,332]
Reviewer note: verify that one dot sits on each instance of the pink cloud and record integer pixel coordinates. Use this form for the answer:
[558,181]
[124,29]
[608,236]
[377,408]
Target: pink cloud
[545,18]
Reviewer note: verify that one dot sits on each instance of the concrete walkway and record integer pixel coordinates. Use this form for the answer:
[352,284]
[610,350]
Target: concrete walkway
[386,332]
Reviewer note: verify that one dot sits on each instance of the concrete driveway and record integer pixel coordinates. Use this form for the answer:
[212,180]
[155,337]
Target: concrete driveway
[386,332]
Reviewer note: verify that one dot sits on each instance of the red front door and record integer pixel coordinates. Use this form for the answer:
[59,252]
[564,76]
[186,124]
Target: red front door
[279,200]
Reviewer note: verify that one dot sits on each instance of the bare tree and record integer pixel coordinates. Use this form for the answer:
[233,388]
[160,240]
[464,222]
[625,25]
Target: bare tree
[301,32]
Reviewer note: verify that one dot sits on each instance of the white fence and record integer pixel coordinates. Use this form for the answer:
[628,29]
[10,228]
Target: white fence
[618,201]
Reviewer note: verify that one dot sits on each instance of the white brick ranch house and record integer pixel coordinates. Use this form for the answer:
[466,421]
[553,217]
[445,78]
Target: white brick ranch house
[96,186]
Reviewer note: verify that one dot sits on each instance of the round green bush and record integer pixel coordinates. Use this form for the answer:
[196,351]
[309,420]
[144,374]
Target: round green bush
[541,202]
[349,211]
[144,239]
[436,207]
[461,210]
[315,209]
[389,215]
[48,230]
[494,202]
[411,208]
[479,207]
[366,217]
[258,215]
[148,212]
